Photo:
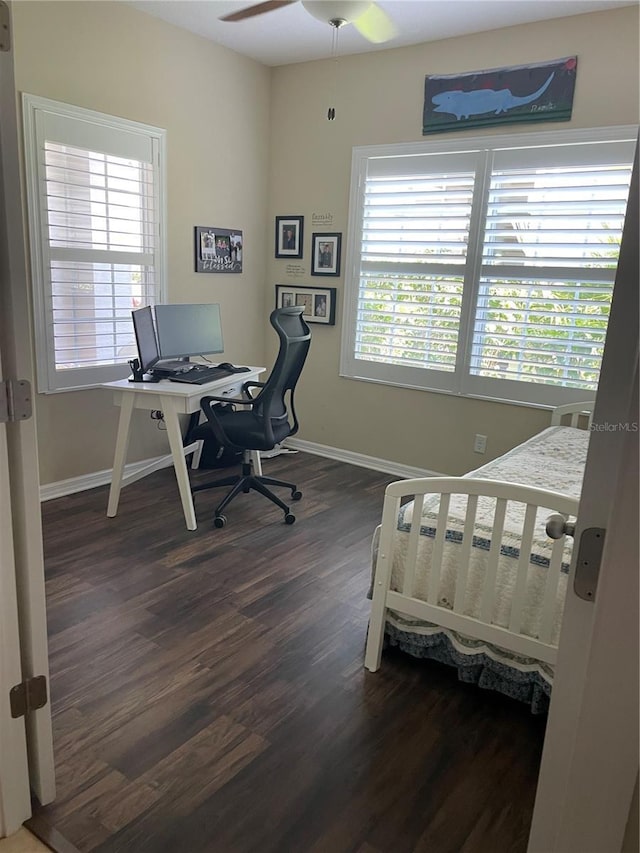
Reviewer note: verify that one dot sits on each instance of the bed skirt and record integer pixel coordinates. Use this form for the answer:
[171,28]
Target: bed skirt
[474,666]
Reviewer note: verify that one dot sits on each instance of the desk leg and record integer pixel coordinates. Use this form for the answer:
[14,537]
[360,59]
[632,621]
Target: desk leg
[177,452]
[120,455]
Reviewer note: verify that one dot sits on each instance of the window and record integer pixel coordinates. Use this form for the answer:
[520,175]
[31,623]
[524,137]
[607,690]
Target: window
[96,222]
[486,267]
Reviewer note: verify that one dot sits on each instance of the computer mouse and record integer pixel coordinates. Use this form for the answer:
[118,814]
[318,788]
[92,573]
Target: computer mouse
[226,365]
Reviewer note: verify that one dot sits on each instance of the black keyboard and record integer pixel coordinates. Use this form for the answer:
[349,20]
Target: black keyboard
[201,375]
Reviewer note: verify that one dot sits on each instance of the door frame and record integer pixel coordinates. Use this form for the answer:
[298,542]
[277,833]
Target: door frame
[15,806]
[23,478]
[590,757]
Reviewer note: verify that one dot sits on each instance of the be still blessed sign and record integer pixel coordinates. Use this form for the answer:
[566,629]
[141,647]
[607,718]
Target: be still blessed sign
[218,249]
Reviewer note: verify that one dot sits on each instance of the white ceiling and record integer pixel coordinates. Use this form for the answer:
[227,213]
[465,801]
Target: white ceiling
[291,34]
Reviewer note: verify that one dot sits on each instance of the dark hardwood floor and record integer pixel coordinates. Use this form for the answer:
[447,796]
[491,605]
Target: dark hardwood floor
[208,690]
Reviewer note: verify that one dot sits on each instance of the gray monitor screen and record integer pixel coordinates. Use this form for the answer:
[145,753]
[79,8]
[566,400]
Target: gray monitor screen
[145,338]
[185,330]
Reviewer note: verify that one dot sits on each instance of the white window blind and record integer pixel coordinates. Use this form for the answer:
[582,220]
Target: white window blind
[414,243]
[549,260]
[486,271]
[96,223]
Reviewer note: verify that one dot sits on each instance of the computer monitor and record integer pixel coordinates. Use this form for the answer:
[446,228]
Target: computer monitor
[145,338]
[185,330]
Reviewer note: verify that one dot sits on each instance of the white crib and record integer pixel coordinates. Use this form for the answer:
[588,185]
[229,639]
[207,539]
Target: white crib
[469,556]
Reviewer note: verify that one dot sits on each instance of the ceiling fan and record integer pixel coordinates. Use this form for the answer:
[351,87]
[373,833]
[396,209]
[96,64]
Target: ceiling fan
[367,17]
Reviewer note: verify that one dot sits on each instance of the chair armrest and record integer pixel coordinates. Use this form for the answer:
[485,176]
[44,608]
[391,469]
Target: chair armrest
[247,385]
[207,404]
[241,401]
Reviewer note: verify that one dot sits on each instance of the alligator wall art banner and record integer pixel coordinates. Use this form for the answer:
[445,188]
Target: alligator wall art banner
[523,93]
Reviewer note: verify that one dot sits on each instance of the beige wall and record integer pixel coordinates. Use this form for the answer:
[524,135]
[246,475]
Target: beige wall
[214,105]
[379,99]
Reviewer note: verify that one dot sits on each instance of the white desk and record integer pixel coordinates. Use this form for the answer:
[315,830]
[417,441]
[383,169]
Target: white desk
[173,399]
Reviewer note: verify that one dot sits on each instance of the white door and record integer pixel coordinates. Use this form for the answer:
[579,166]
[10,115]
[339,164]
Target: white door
[590,757]
[22,566]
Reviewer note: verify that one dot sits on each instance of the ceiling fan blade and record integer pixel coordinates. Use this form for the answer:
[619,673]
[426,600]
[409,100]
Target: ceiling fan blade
[375,25]
[258,9]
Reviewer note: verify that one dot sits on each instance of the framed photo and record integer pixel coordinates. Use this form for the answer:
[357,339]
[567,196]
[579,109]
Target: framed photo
[319,302]
[289,234]
[325,254]
[218,249]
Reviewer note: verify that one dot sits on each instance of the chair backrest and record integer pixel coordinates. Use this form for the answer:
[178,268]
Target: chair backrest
[295,339]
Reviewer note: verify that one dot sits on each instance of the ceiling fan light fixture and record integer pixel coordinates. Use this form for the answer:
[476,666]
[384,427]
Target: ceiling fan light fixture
[329,10]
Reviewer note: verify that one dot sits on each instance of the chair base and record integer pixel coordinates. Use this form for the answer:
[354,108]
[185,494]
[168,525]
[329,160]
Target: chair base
[246,482]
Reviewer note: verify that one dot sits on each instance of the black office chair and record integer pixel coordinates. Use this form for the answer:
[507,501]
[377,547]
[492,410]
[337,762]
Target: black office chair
[264,420]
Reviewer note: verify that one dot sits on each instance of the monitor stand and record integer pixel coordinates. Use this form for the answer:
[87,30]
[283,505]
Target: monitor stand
[170,367]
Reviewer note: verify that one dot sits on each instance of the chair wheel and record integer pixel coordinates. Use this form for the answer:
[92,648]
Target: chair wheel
[219,521]
[296,495]
[289,519]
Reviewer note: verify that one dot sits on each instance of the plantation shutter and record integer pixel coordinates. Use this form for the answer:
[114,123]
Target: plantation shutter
[412,264]
[551,241]
[486,267]
[96,226]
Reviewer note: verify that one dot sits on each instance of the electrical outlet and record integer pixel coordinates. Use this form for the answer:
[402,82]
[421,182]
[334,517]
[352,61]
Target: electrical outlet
[480,443]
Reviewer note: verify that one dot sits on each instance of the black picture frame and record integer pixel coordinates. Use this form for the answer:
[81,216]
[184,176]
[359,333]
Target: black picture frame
[218,249]
[325,254]
[319,302]
[289,236]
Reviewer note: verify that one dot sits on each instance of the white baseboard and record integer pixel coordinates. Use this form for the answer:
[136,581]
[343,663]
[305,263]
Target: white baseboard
[404,472]
[103,478]
[99,478]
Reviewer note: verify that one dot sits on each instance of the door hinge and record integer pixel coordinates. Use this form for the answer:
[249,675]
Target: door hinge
[15,400]
[5,30]
[28,696]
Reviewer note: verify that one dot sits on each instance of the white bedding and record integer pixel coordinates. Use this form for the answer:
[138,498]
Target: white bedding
[554,460]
